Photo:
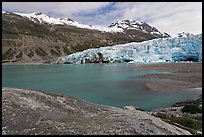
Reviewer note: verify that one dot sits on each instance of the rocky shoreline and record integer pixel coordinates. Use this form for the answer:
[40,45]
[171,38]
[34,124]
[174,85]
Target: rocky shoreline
[186,114]
[31,112]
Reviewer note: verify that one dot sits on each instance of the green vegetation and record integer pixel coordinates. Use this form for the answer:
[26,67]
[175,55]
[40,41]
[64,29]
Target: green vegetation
[192,109]
[57,48]
[7,55]
[66,51]
[41,52]
[83,46]
[76,31]
[31,54]
[53,52]
[190,118]
[121,38]
[24,27]
[197,117]
[20,55]
[193,122]
[8,43]
[6,28]
[161,115]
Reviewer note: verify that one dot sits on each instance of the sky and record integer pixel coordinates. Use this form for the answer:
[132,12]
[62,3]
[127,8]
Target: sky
[169,17]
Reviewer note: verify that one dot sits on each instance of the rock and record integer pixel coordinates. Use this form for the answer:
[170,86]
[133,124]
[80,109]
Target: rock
[133,108]
[43,113]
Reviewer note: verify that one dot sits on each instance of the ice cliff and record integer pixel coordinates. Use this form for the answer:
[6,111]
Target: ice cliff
[171,49]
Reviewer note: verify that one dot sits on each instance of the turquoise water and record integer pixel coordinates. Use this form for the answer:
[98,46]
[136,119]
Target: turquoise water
[108,84]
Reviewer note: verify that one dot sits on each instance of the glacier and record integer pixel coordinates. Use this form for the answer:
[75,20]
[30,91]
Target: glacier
[170,49]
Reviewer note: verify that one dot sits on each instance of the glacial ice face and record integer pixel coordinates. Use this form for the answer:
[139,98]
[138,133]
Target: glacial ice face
[169,49]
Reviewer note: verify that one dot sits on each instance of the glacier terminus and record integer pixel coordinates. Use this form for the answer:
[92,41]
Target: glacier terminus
[170,49]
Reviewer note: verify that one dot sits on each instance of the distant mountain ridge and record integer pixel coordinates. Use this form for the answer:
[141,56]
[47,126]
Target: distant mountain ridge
[42,18]
[184,34]
[118,26]
[38,38]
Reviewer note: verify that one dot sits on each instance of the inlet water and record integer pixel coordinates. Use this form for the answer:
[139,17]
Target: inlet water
[108,84]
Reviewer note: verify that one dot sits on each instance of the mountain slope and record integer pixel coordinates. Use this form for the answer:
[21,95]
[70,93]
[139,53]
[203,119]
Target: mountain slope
[188,48]
[37,38]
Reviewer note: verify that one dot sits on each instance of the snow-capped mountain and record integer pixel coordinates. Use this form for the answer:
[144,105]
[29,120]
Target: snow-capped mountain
[183,34]
[41,38]
[42,18]
[157,50]
[118,26]
[137,25]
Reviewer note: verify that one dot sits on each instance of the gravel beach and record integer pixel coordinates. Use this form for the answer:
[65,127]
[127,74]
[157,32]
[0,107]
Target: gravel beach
[183,76]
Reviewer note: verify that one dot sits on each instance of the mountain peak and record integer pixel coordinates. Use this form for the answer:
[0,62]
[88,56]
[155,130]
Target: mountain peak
[38,13]
[183,34]
[128,24]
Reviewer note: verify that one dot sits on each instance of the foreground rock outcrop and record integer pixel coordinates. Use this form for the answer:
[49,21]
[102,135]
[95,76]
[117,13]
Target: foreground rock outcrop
[33,112]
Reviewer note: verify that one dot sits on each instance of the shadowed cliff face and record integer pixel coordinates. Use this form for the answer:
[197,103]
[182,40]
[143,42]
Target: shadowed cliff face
[33,112]
[25,41]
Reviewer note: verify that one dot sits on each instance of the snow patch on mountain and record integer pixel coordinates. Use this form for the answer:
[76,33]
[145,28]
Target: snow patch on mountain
[183,34]
[157,50]
[42,18]
[137,25]
[119,26]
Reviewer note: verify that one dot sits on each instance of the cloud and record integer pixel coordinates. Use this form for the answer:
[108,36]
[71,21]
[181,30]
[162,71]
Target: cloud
[56,8]
[170,17]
